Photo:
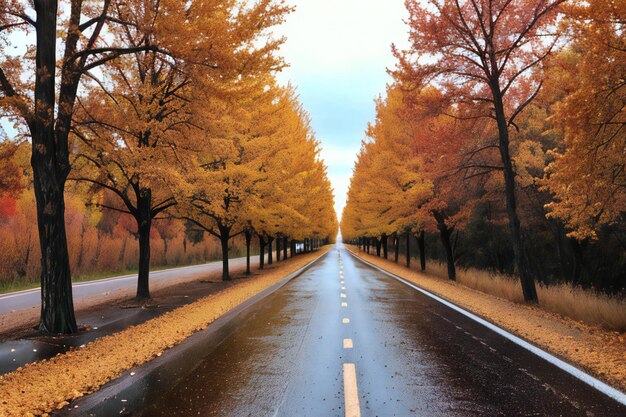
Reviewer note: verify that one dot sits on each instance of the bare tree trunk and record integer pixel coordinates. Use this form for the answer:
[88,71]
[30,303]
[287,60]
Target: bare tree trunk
[248,236]
[577,252]
[224,239]
[50,163]
[269,250]
[384,243]
[444,233]
[396,244]
[144,224]
[278,240]
[421,244]
[261,252]
[408,249]
[285,243]
[528,283]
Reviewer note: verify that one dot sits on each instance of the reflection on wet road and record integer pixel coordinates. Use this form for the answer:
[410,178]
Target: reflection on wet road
[343,339]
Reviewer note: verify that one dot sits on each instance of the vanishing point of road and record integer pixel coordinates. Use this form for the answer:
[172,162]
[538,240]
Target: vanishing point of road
[344,339]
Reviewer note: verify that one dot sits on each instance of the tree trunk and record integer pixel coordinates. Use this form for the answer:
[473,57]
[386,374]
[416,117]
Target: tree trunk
[528,283]
[50,165]
[248,236]
[378,244]
[144,224]
[444,234]
[408,249]
[396,247]
[421,244]
[285,243]
[278,240]
[270,259]
[261,252]
[81,247]
[224,238]
[384,243]
[577,252]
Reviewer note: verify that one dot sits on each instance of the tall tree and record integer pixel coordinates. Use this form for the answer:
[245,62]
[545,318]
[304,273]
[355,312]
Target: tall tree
[588,176]
[46,112]
[483,52]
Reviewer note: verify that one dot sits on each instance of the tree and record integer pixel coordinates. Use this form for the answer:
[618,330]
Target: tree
[587,177]
[151,129]
[482,52]
[46,112]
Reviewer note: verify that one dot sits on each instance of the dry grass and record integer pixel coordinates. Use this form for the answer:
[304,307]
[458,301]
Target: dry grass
[576,303]
[585,306]
[597,350]
[45,386]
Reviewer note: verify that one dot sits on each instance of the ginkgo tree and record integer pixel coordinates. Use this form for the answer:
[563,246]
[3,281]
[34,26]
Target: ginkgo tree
[42,104]
[140,135]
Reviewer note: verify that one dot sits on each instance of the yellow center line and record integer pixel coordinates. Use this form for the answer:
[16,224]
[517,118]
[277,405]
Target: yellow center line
[347,344]
[344,304]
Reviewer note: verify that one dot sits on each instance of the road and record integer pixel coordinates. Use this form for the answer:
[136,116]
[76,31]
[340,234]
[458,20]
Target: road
[22,300]
[344,339]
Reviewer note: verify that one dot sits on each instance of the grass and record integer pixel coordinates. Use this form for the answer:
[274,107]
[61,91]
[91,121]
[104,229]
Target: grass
[576,303]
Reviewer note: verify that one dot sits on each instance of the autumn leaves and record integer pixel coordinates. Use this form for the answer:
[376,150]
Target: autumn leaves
[200,131]
[172,108]
[498,106]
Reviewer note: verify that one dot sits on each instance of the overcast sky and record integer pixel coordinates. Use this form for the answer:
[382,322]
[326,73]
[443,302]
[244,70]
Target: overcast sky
[338,51]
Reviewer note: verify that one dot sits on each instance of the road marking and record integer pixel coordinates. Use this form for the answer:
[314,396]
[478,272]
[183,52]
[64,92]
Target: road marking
[606,389]
[347,344]
[344,304]
[351,391]
[345,321]
[343,295]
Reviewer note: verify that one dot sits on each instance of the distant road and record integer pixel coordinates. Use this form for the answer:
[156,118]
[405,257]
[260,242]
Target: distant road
[22,300]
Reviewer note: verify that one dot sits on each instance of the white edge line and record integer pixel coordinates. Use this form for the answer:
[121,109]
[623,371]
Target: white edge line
[606,389]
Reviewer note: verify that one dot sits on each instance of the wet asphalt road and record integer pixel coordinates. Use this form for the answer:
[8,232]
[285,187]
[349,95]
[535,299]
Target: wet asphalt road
[412,355]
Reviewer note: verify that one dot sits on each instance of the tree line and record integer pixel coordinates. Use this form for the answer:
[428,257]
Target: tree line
[160,109]
[503,134]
